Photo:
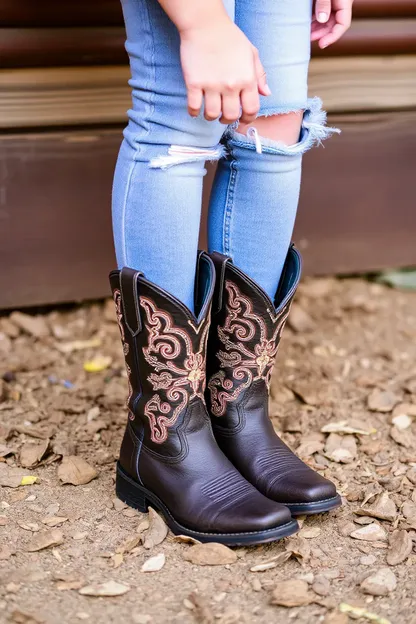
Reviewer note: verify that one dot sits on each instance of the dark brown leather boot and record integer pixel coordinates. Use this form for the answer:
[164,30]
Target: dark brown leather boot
[169,458]
[244,337]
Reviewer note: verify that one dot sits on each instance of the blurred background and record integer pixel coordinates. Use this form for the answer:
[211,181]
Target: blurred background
[63,102]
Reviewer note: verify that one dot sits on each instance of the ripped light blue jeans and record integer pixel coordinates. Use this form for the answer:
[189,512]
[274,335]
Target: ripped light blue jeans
[158,180]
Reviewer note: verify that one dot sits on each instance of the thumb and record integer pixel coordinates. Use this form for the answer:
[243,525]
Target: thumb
[261,76]
[322,10]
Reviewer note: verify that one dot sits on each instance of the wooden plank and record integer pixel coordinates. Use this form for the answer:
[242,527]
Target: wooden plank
[56,47]
[372,37]
[357,210]
[384,8]
[55,237]
[356,214]
[27,13]
[96,95]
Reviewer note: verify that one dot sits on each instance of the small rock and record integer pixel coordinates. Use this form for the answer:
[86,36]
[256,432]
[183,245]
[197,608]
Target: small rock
[154,564]
[210,554]
[118,504]
[157,530]
[381,583]
[404,437]
[401,421]
[321,585]
[109,588]
[33,325]
[76,471]
[401,545]
[382,401]
[411,475]
[292,593]
[341,449]
[299,320]
[335,617]
[370,533]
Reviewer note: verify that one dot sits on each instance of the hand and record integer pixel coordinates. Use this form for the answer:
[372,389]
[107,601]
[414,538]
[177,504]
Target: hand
[332,18]
[222,67]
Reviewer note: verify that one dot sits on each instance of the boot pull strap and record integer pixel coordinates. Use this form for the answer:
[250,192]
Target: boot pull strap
[130,299]
[220,263]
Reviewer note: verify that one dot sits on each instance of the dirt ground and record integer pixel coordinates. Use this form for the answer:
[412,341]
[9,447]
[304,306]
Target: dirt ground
[343,396]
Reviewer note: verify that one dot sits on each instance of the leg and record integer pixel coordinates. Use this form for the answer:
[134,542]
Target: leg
[158,180]
[256,189]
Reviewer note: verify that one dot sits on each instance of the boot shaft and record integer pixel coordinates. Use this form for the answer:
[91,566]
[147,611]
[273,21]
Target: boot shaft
[245,332]
[164,346]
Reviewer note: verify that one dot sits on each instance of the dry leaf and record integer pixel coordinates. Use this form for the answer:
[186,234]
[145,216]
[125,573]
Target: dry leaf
[358,612]
[185,539]
[53,521]
[292,593]
[78,345]
[5,553]
[347,427]
[404,437]
[157,530]
[33,325]
[98,364]
[15,477]
[309,532]
[109,588]
[210,554]
[117,560]
[31,454]
[382,507]
[76,471]
[129,545]
[299,548]
[22,617]
[401,546]
[45,540]
[154,564]
[381,583]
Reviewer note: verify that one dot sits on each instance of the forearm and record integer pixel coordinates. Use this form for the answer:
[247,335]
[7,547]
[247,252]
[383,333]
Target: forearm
[191,14]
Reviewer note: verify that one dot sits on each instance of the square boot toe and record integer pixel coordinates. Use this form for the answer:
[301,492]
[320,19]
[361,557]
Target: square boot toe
[304,487]
[260,515]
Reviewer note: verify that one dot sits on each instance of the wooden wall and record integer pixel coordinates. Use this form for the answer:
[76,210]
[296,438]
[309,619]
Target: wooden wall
[63,98]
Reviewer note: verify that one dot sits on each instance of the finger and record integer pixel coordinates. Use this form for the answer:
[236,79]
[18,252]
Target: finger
[212,106]
[261,75]
[320,30]
[250,103]
[336,33]
[194,101]
[230,108]
[322,10]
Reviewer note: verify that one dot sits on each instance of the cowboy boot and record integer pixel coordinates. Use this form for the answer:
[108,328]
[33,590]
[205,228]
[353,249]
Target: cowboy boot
[244,337]
[169,458]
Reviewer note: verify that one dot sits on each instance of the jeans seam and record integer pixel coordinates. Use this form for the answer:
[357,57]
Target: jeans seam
[123,212]
[228,207]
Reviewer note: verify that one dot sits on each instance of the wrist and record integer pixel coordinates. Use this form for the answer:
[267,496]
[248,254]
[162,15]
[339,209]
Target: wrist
[203,20]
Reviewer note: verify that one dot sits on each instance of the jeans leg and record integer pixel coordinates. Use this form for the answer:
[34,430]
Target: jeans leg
[256,189]
[157,187]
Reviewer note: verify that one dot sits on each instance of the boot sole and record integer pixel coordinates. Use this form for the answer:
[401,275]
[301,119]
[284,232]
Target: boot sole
[310,509]
[138,497]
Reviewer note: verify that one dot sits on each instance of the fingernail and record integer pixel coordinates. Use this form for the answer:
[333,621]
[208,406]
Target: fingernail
[267,89]
[322,17]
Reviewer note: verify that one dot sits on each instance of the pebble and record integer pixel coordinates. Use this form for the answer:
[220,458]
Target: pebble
[368,560]
[381,583]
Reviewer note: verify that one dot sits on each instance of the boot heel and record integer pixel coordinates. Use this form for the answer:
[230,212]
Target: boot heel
[130,494]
